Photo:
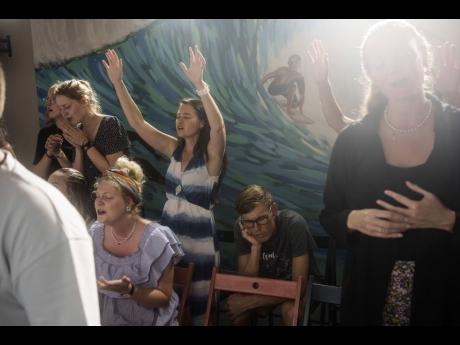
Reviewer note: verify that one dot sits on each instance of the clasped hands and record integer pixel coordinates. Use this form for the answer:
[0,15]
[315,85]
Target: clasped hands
[393,221]
[73,135]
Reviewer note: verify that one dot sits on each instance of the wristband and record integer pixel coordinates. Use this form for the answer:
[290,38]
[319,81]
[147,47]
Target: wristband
[86,146]
[204,91]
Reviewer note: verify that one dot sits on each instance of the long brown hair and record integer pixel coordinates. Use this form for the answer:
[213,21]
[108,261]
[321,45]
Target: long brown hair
[201,147]
[374,99]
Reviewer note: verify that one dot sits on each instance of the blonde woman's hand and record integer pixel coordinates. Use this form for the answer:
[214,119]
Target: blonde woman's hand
[74,136]
[122,286]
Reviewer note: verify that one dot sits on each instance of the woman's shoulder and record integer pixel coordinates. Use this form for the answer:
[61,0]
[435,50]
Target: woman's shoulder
[158,232]
[95,228]
[355,132]
[105,118]
[160,241]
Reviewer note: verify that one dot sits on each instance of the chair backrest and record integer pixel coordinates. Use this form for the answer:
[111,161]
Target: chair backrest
[321,293]
[183,282]
[254,285]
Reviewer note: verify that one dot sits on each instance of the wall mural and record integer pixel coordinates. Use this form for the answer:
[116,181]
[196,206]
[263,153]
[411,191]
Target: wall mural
[272,136]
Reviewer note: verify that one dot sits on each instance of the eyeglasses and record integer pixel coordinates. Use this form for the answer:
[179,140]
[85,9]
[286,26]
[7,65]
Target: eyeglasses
[262,220]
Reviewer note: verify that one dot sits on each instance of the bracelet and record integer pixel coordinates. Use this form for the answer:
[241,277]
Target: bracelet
[86,146]
[131,291]
[204,91]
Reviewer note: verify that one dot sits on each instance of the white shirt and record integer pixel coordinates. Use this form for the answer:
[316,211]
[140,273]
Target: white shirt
[47,271]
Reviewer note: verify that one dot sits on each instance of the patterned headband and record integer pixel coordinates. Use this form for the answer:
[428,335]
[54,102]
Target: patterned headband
[126,183]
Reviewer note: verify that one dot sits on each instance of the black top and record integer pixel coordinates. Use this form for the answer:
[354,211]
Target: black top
[40,150]
[291,239]
[111,137]
[358,175]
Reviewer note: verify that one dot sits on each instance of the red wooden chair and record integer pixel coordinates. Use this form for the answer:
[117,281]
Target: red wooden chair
[257,286]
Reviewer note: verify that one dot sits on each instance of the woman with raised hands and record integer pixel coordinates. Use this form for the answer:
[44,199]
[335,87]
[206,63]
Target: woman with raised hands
[197,154]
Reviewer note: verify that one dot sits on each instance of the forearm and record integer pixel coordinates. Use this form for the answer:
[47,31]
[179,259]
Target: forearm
[130,108]
[330,108]
[63,160]
[264,301]
[78,161]
[150,298]
[155,138]
[42,167]
[252,266]
[99,161]
[215,118]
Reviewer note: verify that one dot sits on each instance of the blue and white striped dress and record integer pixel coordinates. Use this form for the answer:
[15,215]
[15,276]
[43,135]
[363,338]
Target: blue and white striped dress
[188,212]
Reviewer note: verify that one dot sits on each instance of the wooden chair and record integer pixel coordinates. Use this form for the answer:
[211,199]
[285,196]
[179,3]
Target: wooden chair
[182,284]
[320,293]
[254,285]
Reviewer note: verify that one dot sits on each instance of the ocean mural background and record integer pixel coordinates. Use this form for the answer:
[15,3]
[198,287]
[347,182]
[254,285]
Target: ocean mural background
[264,145]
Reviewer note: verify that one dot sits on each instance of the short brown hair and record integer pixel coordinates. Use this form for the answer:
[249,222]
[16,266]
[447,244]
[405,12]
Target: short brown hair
[252,196]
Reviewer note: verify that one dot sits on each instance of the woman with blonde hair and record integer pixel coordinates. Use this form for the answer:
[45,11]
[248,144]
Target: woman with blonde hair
[98,139]
[134,256]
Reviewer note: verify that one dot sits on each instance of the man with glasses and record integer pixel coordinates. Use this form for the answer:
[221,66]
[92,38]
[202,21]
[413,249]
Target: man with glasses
[271,243]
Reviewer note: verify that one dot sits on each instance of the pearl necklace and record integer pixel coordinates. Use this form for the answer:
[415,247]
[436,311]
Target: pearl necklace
[396,130]
[121,240]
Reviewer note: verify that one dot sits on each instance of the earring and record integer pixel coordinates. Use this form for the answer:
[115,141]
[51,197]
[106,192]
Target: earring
[128,208]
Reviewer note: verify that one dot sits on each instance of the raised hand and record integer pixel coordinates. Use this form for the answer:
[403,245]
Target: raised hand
[377,223]
[196,69]
[447,75]
[319,60]
[426,213]
[113,66]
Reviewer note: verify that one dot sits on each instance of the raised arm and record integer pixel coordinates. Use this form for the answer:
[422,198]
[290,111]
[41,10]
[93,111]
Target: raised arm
[447,75]
[218,137]
[157,139]
[331,110]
